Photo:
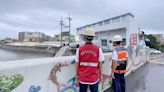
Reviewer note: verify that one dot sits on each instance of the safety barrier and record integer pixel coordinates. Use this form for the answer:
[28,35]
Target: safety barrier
[56,74]
[156,56]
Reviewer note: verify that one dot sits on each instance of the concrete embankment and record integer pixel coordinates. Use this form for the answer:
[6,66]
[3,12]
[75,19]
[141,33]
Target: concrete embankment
[57,74]
[44,49]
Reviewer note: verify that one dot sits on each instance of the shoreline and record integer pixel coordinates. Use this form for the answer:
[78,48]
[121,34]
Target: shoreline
[38,48]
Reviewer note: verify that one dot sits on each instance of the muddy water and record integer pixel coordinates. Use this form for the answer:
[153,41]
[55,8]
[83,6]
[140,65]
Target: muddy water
[9,55]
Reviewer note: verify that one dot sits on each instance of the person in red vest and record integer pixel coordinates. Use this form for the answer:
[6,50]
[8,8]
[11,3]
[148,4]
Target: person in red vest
[89,60]
[119,64]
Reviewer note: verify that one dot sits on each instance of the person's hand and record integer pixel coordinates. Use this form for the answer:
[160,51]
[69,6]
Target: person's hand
[77,82]
[101,79]
[112,75]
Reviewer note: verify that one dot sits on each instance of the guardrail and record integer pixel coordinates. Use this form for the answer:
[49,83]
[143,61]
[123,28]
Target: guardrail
[156,56]
[56,74]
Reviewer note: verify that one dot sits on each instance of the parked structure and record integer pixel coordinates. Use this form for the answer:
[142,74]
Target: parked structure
[33,37]
[123,25]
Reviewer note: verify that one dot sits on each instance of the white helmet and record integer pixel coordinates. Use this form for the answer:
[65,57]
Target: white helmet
[89,32]
[117,38]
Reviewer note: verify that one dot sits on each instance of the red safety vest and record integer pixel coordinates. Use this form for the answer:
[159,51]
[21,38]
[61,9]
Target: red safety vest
[122,55]
[88,71]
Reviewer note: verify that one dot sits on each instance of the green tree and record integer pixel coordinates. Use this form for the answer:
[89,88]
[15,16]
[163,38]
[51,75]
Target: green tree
[162,48]
[153,43]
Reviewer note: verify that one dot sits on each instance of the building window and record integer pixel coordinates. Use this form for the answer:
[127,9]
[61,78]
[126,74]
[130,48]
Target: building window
[107,22]
[93,25]
[115,20]
[124,42]
[29,33]
[30,40]
[110,41]
[104,42]
[99,24]
[124,18]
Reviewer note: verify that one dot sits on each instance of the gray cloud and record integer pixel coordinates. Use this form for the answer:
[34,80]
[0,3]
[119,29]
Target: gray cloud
[43,15]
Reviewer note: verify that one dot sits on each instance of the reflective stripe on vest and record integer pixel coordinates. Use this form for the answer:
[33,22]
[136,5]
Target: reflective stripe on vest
[120,60]
[88,64]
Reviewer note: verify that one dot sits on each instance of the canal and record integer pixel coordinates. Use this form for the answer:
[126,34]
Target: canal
[6,55]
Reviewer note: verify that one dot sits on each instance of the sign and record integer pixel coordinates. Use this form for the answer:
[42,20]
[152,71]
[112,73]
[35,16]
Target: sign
[133,39]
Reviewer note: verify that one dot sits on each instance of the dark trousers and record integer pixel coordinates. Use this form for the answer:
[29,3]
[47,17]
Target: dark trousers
[93,88]
[119,83]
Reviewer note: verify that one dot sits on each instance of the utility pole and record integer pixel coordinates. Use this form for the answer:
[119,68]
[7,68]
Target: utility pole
[69,18]
[61,24]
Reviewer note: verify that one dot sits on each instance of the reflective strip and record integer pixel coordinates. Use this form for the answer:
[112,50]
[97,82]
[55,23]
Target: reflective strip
[88,64]
[122,59]
[120,71]
[88,82]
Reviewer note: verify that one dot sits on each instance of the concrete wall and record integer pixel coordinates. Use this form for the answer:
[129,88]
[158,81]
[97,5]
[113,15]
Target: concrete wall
[55,74]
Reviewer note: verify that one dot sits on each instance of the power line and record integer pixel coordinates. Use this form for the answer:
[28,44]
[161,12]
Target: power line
[52,29]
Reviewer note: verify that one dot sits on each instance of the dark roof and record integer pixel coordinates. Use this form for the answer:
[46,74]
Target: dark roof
[108,19]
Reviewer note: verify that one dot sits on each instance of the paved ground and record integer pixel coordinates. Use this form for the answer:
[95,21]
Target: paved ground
[148,78]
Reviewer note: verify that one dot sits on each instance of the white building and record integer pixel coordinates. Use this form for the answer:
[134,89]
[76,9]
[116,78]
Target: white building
[33,37]
[123,25]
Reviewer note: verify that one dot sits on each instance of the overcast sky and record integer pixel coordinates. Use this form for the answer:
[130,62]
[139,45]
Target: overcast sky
[43,15]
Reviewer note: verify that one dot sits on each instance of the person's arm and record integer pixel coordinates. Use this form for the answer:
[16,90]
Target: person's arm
[76,76]
[127,61]
[77,67]
[114,63]
[101,60]
[77,62]
[113,68]
[101,71]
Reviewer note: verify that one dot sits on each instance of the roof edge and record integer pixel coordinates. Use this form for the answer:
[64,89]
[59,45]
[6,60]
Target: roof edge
[125,14]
